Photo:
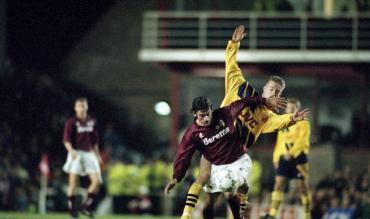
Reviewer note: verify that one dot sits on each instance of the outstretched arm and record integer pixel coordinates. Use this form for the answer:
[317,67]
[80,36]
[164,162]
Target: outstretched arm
[276,122]
[235,84]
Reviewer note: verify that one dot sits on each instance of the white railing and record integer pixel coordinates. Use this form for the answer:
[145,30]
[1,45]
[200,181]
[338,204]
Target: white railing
[210,30]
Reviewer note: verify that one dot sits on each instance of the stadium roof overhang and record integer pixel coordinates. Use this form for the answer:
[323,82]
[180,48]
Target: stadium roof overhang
[334,65]
[255,56]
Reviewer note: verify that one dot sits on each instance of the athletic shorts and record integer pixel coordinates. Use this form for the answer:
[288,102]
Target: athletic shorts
[288,168]
[239,170]
[85,163]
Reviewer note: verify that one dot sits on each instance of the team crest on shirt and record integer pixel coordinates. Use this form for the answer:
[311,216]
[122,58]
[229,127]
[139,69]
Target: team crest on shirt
[201,135]
[264,119]
[221,124]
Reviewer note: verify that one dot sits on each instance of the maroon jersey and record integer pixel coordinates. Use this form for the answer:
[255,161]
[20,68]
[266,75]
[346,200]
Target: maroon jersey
[219,142]
[83,135]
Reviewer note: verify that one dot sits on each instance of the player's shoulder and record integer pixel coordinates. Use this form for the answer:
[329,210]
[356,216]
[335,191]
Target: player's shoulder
[220,111]
[223,113]
[191,131]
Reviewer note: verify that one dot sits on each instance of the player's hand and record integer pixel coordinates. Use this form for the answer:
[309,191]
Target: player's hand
[170,186]
[239,33]
[278,103]
[73,154]
[301,115]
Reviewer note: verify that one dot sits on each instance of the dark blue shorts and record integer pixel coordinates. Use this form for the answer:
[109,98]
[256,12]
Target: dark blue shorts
[288,168]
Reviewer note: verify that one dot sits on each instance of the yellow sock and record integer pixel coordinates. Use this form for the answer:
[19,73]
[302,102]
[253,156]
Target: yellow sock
[243,202]
[276,198]
[192,198]
[306,203]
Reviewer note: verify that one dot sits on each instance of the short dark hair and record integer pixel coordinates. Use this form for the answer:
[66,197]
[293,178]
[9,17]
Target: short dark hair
[277,79]
[201,103]
[81,99]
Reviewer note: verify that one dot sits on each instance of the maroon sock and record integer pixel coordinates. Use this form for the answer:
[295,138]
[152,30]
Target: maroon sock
[72,205]
[234,206]
[91,197]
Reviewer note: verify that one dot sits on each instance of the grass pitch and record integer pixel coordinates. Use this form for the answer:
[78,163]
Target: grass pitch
[14,215]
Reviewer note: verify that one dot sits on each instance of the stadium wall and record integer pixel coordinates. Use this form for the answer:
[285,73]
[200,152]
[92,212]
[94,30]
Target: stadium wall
[106,62]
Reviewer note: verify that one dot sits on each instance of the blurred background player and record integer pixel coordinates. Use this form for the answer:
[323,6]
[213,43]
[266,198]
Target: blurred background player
[290,162]
[81,141]
[213,134]
[252,121]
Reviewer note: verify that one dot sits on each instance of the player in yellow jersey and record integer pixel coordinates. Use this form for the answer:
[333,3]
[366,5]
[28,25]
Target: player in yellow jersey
[252,122]
[290,162]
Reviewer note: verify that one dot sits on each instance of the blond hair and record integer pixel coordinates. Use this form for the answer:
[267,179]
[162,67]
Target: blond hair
[278,80]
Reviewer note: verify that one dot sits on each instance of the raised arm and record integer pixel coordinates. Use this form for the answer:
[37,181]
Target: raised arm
[233,74]
[236,86]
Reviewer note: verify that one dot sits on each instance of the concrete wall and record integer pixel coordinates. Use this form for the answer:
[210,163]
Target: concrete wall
[106,62]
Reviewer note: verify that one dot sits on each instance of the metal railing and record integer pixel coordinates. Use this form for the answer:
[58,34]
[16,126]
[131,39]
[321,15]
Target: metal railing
[210,30]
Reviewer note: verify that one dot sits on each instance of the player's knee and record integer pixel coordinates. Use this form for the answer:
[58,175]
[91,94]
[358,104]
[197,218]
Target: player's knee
[71,189]
[205,171]
[72,184]
[228,196]
[278,186]
[203,177]
[304,189]
[97,183]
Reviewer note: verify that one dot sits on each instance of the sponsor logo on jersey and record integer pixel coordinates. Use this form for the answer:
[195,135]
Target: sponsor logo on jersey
[248,118]
[222,133]
[221,124]
[88,128]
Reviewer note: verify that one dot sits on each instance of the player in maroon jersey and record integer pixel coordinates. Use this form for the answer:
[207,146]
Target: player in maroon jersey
[213,133]
[81,141]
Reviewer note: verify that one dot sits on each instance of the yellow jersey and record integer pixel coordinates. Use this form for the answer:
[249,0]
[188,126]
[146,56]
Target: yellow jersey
[253,121]
[295,140]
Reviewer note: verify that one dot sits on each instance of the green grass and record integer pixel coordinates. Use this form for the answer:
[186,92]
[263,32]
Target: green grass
[13,215]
